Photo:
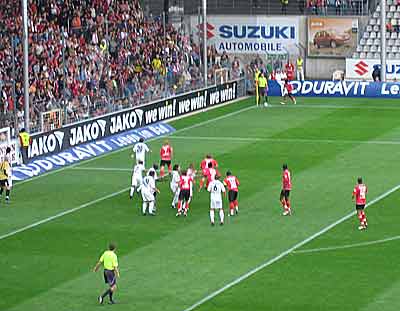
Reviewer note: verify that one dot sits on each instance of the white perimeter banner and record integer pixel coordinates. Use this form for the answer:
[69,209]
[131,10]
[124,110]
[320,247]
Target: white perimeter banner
[362,68]
[250,34]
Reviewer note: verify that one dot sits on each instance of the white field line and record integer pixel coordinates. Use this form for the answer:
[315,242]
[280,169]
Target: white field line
[111,169]
[69,211]
[66,212]
[322,106]
[346,246]
[127,147]
[289,140]
[286,252]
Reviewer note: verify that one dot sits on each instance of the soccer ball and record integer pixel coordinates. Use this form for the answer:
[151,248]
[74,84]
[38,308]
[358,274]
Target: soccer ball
[265,104]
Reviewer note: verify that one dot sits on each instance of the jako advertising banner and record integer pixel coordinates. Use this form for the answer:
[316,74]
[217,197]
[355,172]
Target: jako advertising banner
[362,68]
[111,124]
[338,89]
[251,34]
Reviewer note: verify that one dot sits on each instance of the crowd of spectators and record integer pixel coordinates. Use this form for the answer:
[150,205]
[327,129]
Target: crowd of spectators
[91,52]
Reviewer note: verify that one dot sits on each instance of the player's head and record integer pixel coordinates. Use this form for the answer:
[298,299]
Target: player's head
[228,173]
[141,139]
[217,176]
[112,247]
[151,173]
[176,167]
[191,165]
[22,130]
[166,142]
[8,150]
[140,162]
[284,167]
[155,166]
[184,172]
[359,180]
[208,156]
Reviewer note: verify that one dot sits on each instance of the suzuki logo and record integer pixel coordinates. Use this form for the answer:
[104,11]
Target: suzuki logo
[210,28]
[361,68]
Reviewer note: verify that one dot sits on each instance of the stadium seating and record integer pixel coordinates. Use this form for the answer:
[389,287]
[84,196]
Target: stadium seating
[370,40]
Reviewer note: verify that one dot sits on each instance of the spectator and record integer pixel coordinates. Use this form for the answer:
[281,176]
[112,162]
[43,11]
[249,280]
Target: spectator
[376,73]
[284,4]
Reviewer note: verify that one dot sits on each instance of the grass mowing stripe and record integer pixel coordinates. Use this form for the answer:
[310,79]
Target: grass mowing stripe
[287,252]
[112,169]
[322,106]
[339,247]
[290,140]
[67,212]
[127,147]
[40,222]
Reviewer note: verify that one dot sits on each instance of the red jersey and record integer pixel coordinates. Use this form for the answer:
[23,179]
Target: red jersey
[204,163]
[185,183]
[360,192]
[286,180]
[166,152]
[289,71]
[289,87]
[232,183]
[210,174]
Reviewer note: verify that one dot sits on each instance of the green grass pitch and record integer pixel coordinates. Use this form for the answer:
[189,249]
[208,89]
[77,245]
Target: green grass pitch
[172,264]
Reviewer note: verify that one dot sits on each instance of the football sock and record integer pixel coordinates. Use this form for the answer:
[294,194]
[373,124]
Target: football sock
[364,218]
[7,194]
[212,216]
[186,207]
[132,192]
[110,294]
[236,203]
[1,191]
[283,203]
[151,207]
[266,99]
[179,206]
[231,207]
[201,183]
[221,215]
[107,292]
[360,218]
[288,204]
[170,169]
[162,171]
[144,207]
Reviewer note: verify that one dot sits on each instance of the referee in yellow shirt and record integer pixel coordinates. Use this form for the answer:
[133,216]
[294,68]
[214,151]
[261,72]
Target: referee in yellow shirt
[110,262]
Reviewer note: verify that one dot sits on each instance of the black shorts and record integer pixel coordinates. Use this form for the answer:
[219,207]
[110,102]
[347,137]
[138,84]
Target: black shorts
[232,195]
[184,195]
[165,162]
[284,194]
[109,277]
[261,91]
[360,207]
[4,183]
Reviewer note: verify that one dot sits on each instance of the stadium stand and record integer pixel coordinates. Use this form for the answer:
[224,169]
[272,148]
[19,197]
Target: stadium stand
[369,44]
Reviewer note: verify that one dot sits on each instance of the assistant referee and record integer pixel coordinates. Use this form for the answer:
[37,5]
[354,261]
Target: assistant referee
[109,260]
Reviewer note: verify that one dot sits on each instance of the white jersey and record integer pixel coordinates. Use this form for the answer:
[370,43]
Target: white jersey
[148,188]
[152,170]
[174,184]
[137,175]
[216,188]
[140,150]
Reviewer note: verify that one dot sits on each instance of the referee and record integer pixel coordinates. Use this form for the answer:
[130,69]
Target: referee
[110,262]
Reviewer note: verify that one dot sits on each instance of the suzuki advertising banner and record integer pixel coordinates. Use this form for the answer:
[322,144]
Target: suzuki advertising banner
[251,34]
[332,37]
[362,68]
[338,89]
[92,130]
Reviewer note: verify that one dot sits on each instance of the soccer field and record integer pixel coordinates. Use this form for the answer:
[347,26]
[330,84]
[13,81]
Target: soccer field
[57,225]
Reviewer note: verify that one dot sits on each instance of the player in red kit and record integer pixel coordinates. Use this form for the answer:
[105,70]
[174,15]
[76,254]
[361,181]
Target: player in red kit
[185,193]
[360,194]
[232,183]
[287,92]
[204,165]
[211,173]
[166,152]
[285,192]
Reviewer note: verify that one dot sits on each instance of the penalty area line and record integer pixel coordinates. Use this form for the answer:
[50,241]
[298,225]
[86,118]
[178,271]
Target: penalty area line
[286,252]
[347,246]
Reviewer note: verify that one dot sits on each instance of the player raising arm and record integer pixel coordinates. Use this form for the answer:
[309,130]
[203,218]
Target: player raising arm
[285,192]
[185,193]
[166,153]
[204,165]
[360,195]
[216,188]
[232,183]
[139,151]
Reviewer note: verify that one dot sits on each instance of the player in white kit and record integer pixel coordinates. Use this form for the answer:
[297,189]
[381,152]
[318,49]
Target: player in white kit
[174,185]
[154,169]
[216,189]
[137,177]
[140,149]
[148,188]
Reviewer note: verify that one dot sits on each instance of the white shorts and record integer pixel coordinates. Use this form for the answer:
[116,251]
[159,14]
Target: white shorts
[136,181]
[174,188]
[216,204]
[147,196]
